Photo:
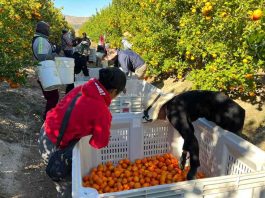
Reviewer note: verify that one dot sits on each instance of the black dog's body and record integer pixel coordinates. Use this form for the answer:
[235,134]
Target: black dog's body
[187,107]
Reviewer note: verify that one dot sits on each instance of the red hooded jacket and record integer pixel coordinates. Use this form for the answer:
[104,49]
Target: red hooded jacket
[90,116]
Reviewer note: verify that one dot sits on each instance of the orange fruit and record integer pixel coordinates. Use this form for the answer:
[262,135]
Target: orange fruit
[147,179]
[134,168]
[124,181]
[154,182]
[111,183]
[136,179]
[138,161]
[124,165]
[144,160]
[160,164]
[137,185]
[86,178]
[126,161]
[168,162]
[127,173]
[96,186]
[151,168]
[131,184]
[117,173]
[170,167]
[126,187]
[257,14]
[142,181]
[164,168]
[108,173]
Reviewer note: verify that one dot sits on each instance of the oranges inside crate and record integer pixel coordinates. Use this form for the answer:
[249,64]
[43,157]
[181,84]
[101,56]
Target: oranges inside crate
[126,175]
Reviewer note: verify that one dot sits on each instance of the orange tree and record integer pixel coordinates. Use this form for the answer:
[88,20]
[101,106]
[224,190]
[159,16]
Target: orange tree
[18,20]
[217,44]
[105,23]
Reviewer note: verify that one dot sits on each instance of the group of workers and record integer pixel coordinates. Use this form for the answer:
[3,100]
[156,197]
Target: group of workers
[90,114]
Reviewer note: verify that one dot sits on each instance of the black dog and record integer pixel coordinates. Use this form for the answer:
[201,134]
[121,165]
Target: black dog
[187,107]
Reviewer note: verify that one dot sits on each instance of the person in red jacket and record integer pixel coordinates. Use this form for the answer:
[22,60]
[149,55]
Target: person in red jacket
[90,116]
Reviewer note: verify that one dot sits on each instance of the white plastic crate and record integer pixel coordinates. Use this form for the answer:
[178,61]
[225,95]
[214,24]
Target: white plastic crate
[135,99]
[221,153]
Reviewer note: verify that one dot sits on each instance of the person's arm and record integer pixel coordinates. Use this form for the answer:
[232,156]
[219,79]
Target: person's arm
[101,133]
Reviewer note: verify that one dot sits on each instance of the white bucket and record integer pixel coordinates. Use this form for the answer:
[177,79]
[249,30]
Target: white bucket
[65,67]
[48,75]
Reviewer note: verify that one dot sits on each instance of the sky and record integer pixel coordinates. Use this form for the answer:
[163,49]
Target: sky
[81,7]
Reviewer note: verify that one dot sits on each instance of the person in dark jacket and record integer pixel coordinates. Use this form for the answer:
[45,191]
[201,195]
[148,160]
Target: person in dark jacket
[129,61]
[187,107]
[90,116]
[43,50]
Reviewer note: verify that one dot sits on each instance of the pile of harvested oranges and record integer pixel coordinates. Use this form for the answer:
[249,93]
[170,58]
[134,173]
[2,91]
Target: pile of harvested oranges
[126,175]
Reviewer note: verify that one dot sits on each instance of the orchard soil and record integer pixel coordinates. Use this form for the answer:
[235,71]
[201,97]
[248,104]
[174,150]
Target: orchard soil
[22,174]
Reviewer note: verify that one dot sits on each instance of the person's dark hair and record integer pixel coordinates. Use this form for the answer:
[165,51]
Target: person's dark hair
[84,34]
[112,78]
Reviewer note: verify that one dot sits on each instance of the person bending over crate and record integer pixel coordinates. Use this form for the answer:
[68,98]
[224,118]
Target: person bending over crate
[83,111]
[187,107]
[129,61]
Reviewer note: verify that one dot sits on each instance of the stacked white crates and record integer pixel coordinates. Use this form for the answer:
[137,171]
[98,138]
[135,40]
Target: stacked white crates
[235,167]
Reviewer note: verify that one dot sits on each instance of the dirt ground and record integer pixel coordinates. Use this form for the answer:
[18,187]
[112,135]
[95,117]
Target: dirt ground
[22,174]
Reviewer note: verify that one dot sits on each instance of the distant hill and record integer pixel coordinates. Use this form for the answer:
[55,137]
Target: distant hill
[76,22]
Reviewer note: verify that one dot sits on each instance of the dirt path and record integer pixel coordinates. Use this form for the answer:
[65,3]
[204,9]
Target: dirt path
[21,171]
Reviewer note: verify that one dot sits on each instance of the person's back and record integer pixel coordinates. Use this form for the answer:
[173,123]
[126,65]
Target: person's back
[129,60]
[214,106]
[92,106]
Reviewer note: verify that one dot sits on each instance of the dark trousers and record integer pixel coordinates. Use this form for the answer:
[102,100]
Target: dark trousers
[68,53]
[52,98]
[80,65]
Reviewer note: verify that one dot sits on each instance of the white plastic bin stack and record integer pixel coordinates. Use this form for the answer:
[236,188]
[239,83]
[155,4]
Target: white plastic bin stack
[235,167]
[136,97]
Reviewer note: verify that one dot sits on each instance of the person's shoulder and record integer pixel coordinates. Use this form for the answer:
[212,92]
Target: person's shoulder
[40,39]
